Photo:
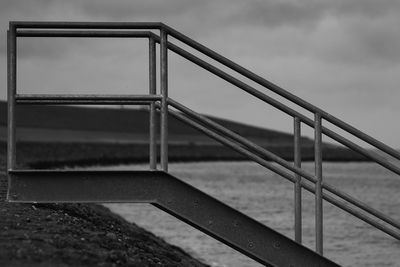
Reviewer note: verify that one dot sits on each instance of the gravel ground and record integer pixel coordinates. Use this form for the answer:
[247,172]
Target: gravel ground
[77,235]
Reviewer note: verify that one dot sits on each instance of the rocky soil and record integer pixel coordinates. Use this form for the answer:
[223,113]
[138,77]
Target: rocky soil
[77,235]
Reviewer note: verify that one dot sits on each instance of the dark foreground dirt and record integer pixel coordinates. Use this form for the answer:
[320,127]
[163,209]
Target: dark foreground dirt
[77,235]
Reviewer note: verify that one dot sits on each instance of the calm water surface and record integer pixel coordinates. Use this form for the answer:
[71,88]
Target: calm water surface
[268,198]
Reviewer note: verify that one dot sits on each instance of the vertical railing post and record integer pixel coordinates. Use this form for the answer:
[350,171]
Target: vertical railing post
[152,91]
[297,186]
[318,185]
[164,104]
[11,92]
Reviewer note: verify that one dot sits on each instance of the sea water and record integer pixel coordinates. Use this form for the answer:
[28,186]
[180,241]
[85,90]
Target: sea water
[268,198]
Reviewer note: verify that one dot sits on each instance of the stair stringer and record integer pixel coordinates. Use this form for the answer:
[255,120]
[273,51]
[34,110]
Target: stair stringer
[232,227]
[172,195]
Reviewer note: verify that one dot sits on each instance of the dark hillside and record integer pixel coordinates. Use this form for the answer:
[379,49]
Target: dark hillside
[134,121]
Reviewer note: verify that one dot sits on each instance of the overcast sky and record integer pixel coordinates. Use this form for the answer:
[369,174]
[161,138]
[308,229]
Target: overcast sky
[341,55]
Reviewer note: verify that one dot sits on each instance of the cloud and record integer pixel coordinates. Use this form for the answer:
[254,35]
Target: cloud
[358,42]
[359,32]
[24,7]
[282,13]
[125,9]
[308,13]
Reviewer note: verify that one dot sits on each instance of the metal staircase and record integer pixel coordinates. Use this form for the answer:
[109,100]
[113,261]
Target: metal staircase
[169,193]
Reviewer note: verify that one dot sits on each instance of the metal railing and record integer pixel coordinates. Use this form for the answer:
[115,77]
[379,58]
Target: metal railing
[161,103]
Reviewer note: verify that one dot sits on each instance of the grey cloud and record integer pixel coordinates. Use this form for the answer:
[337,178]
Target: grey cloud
[364,8]
[125,9]
[276,14]
[364,32]
[308,13]
[19,7]
[361,42]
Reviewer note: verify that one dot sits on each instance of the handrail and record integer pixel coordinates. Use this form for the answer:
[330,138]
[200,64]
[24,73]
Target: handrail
[86,25]
[217,57]
[207,66]
[246,152]
[62,99]
[256,149]
[282,92]
[85,34]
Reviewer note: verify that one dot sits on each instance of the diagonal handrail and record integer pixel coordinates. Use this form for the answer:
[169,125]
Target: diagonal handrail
[246,151]
[256,149]
[229,78]
[280,91]
[257,158]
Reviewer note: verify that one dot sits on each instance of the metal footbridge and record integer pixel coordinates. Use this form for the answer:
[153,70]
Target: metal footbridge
[169,193]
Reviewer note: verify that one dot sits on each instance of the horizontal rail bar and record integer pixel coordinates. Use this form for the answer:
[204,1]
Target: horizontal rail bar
[267,99]
[86,25]
[282,92]
[86,99]
[254,147]
[87,33]
[85,102]
[245,151]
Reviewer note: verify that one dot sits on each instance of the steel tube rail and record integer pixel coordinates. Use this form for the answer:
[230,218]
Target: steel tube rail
[215,56]
[152,91]
[263,97]
[87,97]
[12,91]
[371,155]
[57,99]
[241,140]
[344,206]
[297,185]
[378,214]
[232,145]
[282,92]
[84,34]
[245,151]
[265,153]
[164,103]
[318,185]
[86,25]
[85,102]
